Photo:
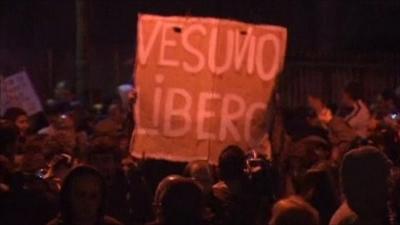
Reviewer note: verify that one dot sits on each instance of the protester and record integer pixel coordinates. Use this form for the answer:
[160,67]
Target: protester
[262,182]
[27,192]
[319,187]
[231,172]
[340,133]
[235,204]
[365,182]
[20,118]
[327,156]
[203,173]
[293,211]
[63,96]
[179,201]
[83,199]
[128,198]
[359,115]
[113,123]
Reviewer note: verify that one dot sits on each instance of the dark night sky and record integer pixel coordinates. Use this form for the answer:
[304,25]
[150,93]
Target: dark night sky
[363,25]
[30,29]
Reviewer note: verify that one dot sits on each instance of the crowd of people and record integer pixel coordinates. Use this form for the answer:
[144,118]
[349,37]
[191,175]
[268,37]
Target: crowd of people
[339,165]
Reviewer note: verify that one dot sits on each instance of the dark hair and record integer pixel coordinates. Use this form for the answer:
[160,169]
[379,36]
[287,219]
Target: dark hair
[202,172]
[200,167]
[13,113]
[294,210]
[231,163]
[181,202]
[65,192]
[319,187]
[354,90]
[364,177]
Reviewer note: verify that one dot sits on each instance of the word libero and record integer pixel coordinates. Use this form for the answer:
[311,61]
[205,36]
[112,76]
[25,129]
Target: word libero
[203,48]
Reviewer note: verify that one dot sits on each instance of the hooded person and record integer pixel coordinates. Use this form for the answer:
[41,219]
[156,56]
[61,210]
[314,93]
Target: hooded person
[83,199]
[294,211]
[178,201]
[364,175]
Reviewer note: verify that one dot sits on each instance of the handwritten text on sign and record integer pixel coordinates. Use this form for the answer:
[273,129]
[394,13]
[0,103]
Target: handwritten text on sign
[203,84]
[17,91]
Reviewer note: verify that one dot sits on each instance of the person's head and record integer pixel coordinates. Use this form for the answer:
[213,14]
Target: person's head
[306,153]
[293,211]
[364,177]
[315,148]
[19,117]
[231,163]
[63,91]
[103,154]
[319,187]
[178,201]
[8,138]
[82,195]
[351,93]
[65,122]
[202,172]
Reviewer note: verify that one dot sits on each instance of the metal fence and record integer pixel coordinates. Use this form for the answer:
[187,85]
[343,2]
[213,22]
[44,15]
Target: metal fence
[328,75]
[321,73]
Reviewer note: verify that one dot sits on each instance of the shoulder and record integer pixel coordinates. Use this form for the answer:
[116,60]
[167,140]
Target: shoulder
[344,215]
[108,220]
[55,221]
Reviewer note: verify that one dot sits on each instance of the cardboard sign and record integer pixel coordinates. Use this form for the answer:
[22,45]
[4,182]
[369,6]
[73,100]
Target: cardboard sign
[203,84]
[17,91]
